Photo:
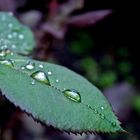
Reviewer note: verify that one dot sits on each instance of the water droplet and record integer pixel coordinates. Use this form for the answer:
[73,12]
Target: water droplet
[113,124]
[2,54]
[13,61]
[13,46]
[95,110]
[4,47]
[7,62]
[102,116]
[9,36]
[33,82]
[10,13]
[10,25]
[88,106]
[72,95]
[57,80]
[14,34]
[41,76]
[49,73]
[30,66]
[102,107]
[22,67]
[11,53]
[21,36]
[40,66]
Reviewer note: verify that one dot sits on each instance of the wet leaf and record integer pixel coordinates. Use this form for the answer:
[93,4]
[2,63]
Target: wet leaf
[15,36]
[56,96]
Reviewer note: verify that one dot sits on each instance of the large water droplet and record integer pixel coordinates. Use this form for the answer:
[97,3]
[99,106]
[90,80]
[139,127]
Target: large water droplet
[41,76]
[7,62]
[30,66]
[72,95]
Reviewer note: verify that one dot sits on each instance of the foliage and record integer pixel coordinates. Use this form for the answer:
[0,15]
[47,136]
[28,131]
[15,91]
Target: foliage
[15,36]
[53,94]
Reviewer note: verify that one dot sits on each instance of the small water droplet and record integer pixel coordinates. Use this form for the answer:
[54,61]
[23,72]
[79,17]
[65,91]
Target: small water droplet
[13,46]
[88,106]
[72,95]
[7,62]
[57,80]
[14,34]
[21,36]
[10,25]
[30,66]
[40,66]
[10,13]
[9,36]
[4,47]
[41,76]
[102,116]
[49,73]
[11,53]
[113,124]
[95,110]
[22,67]
[102,107]
[33,82]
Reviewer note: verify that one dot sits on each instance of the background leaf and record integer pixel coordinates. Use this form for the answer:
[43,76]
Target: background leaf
[15,36]
[47,102]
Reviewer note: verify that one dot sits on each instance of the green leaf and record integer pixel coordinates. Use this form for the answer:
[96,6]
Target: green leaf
[15,36]
[62,99]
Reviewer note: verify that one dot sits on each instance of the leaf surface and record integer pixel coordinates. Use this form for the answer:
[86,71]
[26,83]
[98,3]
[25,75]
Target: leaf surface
[48,103]
[15,36]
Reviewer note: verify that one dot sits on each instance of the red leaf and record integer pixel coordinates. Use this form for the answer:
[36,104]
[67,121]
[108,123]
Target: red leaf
[89,18]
